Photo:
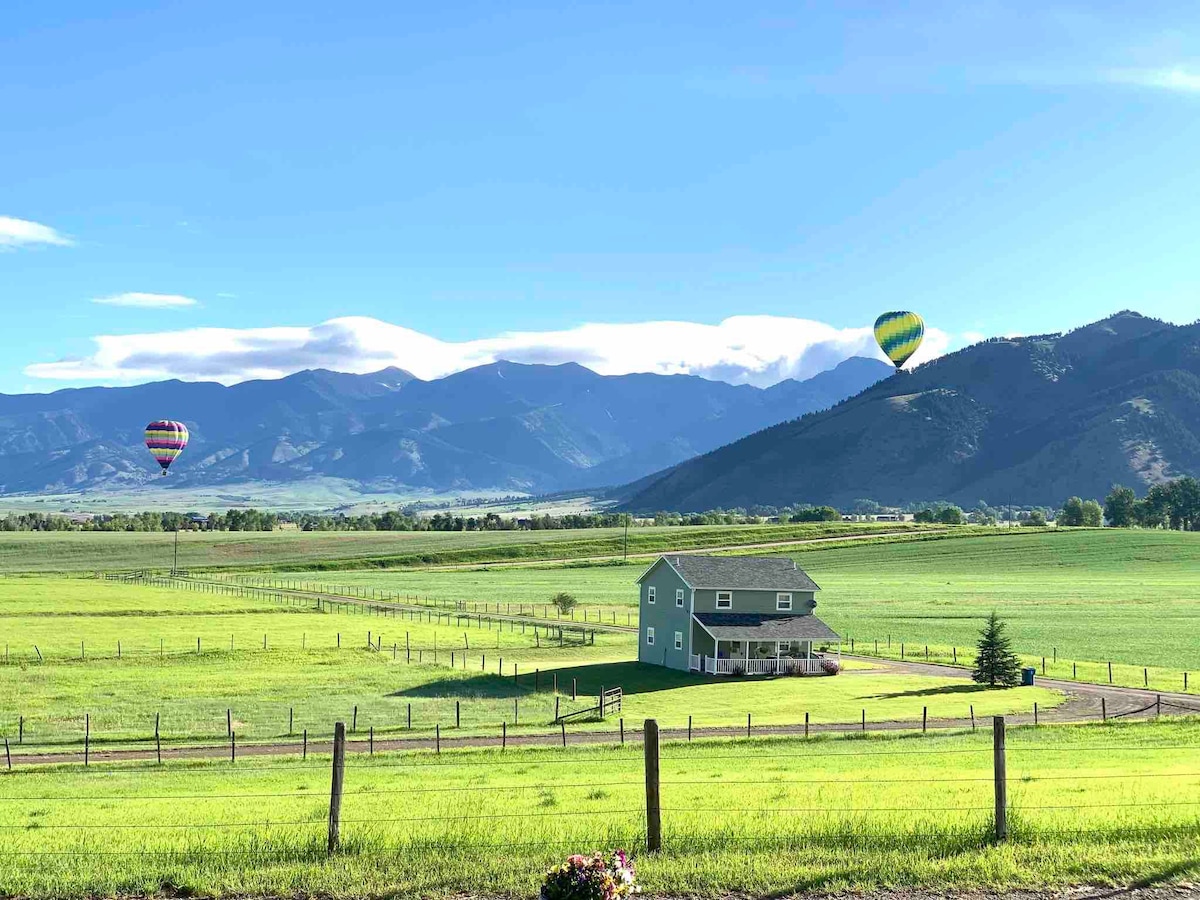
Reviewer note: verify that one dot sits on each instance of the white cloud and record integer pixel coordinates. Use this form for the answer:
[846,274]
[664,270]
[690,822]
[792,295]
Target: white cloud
[1176,78]
[973,337]
[146,301]
[759,350]
[20,233]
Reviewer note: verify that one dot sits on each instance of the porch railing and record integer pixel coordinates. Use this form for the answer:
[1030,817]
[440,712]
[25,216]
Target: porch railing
[771,666]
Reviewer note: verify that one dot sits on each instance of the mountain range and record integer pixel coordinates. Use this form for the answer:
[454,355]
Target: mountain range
[1026,420]
[504,426]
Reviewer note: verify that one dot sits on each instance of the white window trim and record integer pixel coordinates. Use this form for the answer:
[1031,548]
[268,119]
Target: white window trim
[724,599]
[679,597]
[650,594]
[649,635]
[780,599]
[679,640]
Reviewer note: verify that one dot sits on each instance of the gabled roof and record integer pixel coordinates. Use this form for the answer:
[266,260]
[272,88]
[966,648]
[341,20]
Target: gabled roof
[746,573]
[765,627]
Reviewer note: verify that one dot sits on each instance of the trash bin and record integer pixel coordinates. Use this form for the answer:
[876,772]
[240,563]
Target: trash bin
[1027,676]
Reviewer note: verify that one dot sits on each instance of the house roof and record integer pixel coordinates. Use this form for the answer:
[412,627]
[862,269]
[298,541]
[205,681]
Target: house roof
[747,573]
[765,627]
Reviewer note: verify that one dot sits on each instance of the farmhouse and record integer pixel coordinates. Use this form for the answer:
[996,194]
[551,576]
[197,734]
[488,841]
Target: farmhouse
[730,615]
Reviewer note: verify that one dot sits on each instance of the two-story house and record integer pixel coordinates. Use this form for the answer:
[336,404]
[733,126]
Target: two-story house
[730,615]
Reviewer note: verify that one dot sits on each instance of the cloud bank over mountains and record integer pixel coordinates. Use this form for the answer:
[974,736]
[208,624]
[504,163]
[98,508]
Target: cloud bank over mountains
[759,350]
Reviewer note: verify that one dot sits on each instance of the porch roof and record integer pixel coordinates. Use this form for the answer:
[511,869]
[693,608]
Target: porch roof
[765,627]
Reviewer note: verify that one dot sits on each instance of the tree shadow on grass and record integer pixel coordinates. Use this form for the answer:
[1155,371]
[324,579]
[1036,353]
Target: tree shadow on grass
[940,691]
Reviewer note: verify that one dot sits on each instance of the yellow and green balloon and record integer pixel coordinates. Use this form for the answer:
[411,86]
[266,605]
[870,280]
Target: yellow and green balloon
[899,335]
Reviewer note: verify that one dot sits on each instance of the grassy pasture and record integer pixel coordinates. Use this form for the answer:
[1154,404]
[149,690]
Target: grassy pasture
[305,670]
[1095,595]
[1095,804]
[58,552]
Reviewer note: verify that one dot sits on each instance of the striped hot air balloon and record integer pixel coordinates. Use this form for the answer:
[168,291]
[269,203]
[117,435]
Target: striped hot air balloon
[165,440]
[899,335]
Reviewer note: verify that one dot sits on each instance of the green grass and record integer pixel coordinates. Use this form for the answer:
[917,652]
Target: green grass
[1128,596]
[24,552]
[305,671]
[1113,804]
[1090,595]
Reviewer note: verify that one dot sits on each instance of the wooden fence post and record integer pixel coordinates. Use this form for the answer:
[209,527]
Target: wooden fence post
[7,754]
[653,807]
[304,746]
[233,746]
[621,723]
[806,724]
[437,736]
[563,727]
[503,734]
[87,736]
[228,722]
[924,718]
[1103,709]
[747,724]
[335,790]
[1000,778]
[972,716]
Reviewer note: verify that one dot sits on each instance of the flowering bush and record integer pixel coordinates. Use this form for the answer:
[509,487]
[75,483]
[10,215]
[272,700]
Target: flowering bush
[831,666]
[591,878]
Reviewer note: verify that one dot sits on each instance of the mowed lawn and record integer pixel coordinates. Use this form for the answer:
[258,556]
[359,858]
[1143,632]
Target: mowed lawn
[1093,595]
[316,668]
[1111,804]
[60,552]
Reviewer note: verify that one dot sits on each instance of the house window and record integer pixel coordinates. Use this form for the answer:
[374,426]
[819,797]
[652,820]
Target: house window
[679,597]
[724,599]
[650,635]
[650,594]
[679,640]
[783,602]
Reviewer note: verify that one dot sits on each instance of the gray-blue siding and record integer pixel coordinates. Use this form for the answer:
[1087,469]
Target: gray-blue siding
[666,617]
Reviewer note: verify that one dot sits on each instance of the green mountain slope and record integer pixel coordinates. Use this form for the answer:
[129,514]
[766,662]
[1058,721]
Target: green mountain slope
[1030,419]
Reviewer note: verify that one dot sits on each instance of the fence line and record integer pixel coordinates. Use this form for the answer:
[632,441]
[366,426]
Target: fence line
[654,813]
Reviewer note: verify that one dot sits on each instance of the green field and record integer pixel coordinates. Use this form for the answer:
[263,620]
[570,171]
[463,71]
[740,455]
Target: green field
[1111,804]
[316,668]
[117,551]
[1091,596]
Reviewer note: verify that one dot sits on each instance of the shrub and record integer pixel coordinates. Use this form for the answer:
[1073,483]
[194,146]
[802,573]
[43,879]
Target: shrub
[564,602]
[831,666]
[591,878]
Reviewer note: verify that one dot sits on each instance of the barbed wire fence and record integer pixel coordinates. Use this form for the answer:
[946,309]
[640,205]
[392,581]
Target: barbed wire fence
[374,807]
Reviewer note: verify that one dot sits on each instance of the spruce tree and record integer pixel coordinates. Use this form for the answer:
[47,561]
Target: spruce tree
[995,662]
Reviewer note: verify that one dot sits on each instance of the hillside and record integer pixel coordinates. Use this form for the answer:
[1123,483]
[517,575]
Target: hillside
[501,426]
[1028,420]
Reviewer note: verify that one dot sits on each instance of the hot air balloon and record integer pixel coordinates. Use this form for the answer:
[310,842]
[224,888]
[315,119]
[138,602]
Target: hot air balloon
[165,440]
[899,335]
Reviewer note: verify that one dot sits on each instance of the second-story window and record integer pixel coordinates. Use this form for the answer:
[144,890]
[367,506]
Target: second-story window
[679,597]
[783,602]
[724,599]
[650,594]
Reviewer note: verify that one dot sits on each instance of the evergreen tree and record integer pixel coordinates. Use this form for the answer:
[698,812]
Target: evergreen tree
[995,662]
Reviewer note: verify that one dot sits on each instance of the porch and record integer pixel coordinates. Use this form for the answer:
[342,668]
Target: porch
[760,644]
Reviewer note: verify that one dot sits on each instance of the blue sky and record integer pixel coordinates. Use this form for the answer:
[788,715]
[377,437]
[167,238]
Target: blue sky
[487,178]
